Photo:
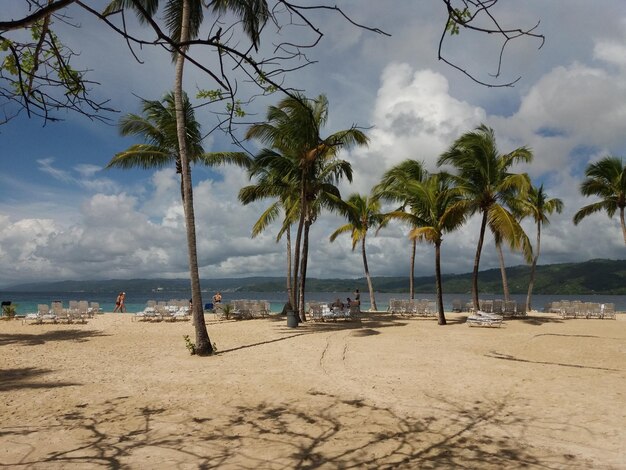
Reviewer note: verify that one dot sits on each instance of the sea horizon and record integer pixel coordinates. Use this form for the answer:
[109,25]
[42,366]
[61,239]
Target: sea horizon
[27,302]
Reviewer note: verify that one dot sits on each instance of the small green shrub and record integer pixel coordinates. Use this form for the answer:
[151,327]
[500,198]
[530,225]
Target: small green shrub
[8,312]
[191,346]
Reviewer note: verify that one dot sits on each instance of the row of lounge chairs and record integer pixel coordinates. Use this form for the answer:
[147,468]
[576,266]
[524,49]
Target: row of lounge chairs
[249,309]
[413,308]
[242,309]
[78,311]
[507,308]
[580,309]
[171,310]
[322,311]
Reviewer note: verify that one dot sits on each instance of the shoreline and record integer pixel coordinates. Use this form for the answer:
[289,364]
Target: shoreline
[381,392]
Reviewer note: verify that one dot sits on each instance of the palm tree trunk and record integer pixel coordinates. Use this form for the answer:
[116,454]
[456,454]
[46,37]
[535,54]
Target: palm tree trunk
[368,277]
[505,281]
[412,273]
[203,343]
[303,263]
[441,315]
[531,283]
[479,249]
[296,264]
[289,288]
[621,218]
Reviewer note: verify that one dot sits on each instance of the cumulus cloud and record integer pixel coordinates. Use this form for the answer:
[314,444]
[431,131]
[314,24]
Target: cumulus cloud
[84,224]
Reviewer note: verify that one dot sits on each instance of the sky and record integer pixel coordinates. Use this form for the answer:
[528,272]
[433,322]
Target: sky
[64,216]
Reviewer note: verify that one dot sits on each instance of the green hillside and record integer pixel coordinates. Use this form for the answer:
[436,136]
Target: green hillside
[599,276]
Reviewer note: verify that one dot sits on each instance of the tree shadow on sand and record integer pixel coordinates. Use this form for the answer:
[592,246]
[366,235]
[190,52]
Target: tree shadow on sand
[361,327]
[508,357]
[538,321]
[329,432]
[27,377]
[34,339]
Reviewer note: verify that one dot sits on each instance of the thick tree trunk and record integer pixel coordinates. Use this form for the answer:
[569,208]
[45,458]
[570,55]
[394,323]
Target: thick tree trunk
[479,249]
[505,281]
[440,313]
[531,283]
[412,273]
[368,277]
[203,343]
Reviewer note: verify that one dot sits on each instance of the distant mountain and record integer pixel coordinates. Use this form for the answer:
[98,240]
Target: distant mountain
[600,276]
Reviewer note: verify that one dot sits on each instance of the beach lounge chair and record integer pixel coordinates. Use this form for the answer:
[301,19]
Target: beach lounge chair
[57,313]
[94,309]
[608,311]
[353,311]
[315,311]
[481,318]
[37,317]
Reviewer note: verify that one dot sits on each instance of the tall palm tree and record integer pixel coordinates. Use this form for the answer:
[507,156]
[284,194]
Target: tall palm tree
[393,187]
[363,213]
[273,183]
[607,180]
[516,238]
[183,19]
[484,179]
[537,205]
[293,128]
[436,207]
[158,128]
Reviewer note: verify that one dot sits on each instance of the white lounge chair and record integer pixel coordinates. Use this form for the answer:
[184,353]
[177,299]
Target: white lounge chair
[481,318]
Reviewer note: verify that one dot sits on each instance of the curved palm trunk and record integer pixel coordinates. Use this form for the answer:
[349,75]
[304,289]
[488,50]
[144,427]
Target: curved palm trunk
[441,320]
[412,273]
[203,343]
[303,263]
[479,249]
[505,281]
[289,289]
[531,283]
[368,277]
[621,218]
[296,264]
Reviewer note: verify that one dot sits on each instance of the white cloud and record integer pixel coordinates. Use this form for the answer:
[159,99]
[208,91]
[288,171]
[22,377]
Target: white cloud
[570,108]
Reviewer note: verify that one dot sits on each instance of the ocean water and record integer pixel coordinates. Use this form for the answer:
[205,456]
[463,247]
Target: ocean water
[27,302]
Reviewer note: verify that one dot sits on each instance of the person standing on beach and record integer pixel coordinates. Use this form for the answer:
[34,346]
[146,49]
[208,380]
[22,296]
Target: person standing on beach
[357,296]
[217,298]
[119,302]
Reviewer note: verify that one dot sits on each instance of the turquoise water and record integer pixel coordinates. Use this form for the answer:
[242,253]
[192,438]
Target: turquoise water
[136,301]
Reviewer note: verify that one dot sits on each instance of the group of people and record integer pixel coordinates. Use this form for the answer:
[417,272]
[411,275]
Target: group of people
[338,304]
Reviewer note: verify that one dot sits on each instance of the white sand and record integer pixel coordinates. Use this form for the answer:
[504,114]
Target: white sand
[383,393]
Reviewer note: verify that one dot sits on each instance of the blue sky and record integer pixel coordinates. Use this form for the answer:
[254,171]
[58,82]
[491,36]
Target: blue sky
[64,217]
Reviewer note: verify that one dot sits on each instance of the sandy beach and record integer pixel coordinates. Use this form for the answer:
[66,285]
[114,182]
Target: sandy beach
[385,392]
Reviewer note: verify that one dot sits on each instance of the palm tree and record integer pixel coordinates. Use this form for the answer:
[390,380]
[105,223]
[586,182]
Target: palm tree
[158,128]
[393,187]
[537,205]
[363,213]
[515,237]
[485,181]
[183,19]
[607,180]
[293,129]
[272,183]
[436,207]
